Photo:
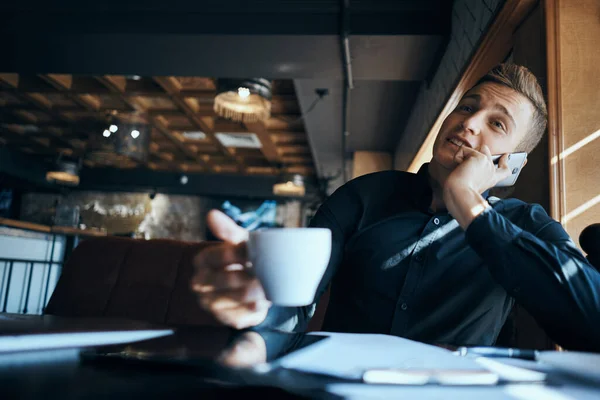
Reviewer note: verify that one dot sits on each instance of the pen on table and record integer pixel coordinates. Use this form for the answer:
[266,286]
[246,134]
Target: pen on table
[497,352]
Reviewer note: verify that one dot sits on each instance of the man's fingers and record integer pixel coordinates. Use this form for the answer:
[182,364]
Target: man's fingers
[221,255]
[225,228]
[242,317]
[225,299]
[486,152]
[459,156]
[211,280]
[503,171]
[464,153]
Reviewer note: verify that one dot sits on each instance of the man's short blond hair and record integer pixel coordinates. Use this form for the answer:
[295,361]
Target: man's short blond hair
[521,80]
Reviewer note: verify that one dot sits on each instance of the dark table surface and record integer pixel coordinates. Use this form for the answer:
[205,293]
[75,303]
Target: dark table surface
[208,362]
[198,362]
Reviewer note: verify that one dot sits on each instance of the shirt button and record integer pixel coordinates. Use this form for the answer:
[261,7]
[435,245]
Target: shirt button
[419,258]
[404,306]
[436,221]
[516,289]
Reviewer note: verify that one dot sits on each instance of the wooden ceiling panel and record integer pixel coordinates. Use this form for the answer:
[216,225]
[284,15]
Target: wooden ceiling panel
[32,116]
[261,170]
[223,125]
[289,138]
[79,116]
[8,99]
[195,83]
[74,84]
[191,167]
[249,153]
[295,150]
[50,113]
[9,80]
[21,128]
[206,148]
[31,83]
[142,86]
[215,159]
[287,105]
[301,170]
[226,168]
[151,103]
[179,123]
[133,118]
[60,100]
[279,124]
[88,101]
[166,156]
[112,102]
[44,141]
[301,160]
[161,166]
[256,162]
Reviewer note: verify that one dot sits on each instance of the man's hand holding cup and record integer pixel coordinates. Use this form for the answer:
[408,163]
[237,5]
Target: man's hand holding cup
[225,284]
[239,279]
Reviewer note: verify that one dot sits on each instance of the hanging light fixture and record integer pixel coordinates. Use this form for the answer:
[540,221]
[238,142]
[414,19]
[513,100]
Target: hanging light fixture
[65,173]
[243,100]
[122,136]
[290,185]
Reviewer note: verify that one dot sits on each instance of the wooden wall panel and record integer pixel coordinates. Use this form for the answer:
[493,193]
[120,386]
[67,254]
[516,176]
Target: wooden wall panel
[574,31]
[366,162]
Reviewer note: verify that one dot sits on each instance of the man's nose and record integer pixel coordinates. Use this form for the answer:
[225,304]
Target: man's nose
[473,123]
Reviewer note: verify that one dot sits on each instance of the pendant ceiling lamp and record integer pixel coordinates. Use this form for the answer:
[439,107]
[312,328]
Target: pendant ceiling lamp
[243,100]
[64,173]
[289,185]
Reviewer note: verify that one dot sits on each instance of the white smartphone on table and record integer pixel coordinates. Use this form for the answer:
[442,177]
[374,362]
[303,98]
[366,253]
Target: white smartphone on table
[516,161]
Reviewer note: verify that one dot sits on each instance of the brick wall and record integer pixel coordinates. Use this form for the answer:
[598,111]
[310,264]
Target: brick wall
[470,19]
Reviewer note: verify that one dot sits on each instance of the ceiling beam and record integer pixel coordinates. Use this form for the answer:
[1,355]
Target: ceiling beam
[225,17]
[268,148]
[216,185]
[63,83]
[11,80]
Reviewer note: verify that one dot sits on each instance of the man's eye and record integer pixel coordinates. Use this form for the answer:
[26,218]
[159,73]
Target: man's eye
[465,108]
[498,125]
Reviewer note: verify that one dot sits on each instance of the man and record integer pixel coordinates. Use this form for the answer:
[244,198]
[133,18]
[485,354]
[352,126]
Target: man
[429,256]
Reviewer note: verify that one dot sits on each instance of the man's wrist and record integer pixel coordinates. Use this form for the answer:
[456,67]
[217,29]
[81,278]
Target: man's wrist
[464,203]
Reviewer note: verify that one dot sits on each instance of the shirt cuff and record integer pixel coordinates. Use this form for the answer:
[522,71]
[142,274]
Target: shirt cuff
[489,235]
[491,229]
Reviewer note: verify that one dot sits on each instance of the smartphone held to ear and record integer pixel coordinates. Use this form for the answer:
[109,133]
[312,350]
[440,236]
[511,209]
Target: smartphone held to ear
[516,162]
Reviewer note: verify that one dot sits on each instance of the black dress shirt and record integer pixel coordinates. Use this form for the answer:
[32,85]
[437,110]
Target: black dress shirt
[398,268]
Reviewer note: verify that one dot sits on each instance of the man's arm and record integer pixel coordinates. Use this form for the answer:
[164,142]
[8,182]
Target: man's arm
[536,262]
[542,269]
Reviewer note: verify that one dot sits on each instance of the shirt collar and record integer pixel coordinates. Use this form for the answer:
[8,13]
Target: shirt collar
[423,194]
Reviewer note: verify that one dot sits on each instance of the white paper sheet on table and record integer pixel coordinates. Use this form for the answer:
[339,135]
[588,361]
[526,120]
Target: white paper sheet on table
[348,355]
[20,332]
[30,342]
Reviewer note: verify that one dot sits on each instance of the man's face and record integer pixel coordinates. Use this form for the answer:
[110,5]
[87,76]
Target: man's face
[490,114]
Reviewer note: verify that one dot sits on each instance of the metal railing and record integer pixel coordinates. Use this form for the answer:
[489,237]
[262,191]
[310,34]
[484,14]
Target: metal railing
[10,286]
[7,280]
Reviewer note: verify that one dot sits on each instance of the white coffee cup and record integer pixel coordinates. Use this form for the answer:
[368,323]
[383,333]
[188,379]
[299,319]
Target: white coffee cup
[290,262]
